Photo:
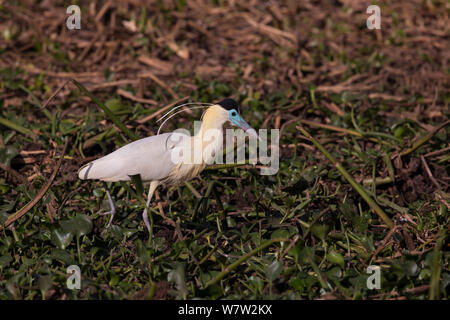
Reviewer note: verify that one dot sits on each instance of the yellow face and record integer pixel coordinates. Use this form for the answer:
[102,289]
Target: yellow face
[215,117]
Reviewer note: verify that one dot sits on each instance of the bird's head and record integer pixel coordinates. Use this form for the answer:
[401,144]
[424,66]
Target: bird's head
[231,112]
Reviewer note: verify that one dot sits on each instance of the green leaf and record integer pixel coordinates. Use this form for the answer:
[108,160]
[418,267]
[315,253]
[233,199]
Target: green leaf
[257,283]
[5,208]
[61,238]
[295,250]
[59,254]
[425,274]
[410,268]
[177,276]
[117,232]
[98,192]
[336,258]
[8,206]
[320,231]
[44,283]
[297,284]
[117,107]
[230,222]
[7,154]
[79,225]
[334,272]
[445,281]
[114,280]
[274,270]
[67,126]
[5,260]
[205,277]
[368,242]
[280,233]
[14,126]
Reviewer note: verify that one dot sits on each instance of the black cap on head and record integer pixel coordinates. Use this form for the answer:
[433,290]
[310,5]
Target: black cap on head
[229,104]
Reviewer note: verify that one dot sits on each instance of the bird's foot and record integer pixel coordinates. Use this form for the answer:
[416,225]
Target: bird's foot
[105,213]
[112,213]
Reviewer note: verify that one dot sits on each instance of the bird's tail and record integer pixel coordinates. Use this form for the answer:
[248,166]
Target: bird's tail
[83,172]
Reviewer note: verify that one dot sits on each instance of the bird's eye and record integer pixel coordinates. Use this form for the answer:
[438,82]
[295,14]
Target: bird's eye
[233,113]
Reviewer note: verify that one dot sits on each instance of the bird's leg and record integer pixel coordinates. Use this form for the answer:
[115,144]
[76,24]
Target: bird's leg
[151,190]
[112,212]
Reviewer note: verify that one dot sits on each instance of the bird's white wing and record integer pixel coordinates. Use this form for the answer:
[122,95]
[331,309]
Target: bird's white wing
[150,157]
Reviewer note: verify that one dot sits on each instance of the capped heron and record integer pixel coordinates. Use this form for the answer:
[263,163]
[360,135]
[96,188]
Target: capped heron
[151,157]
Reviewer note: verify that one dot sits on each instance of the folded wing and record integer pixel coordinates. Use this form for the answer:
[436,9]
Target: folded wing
[150,157]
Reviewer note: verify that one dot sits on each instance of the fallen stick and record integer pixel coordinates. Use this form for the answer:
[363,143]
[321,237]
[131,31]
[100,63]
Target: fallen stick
[38,196]
[425,139]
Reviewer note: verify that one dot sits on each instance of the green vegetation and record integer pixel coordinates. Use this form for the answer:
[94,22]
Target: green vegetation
[364,156]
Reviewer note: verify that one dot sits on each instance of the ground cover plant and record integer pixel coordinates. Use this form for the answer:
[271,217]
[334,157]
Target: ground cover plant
[364,149]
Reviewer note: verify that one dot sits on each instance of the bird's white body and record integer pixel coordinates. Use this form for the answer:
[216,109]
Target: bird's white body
[138,157]
[152,159]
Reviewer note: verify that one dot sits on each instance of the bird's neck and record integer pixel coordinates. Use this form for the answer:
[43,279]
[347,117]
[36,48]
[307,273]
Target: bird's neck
[209,133]
[210,136]
[213,120]
[206,129]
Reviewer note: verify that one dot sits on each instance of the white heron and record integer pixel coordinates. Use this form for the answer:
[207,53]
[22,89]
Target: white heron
[152,159]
